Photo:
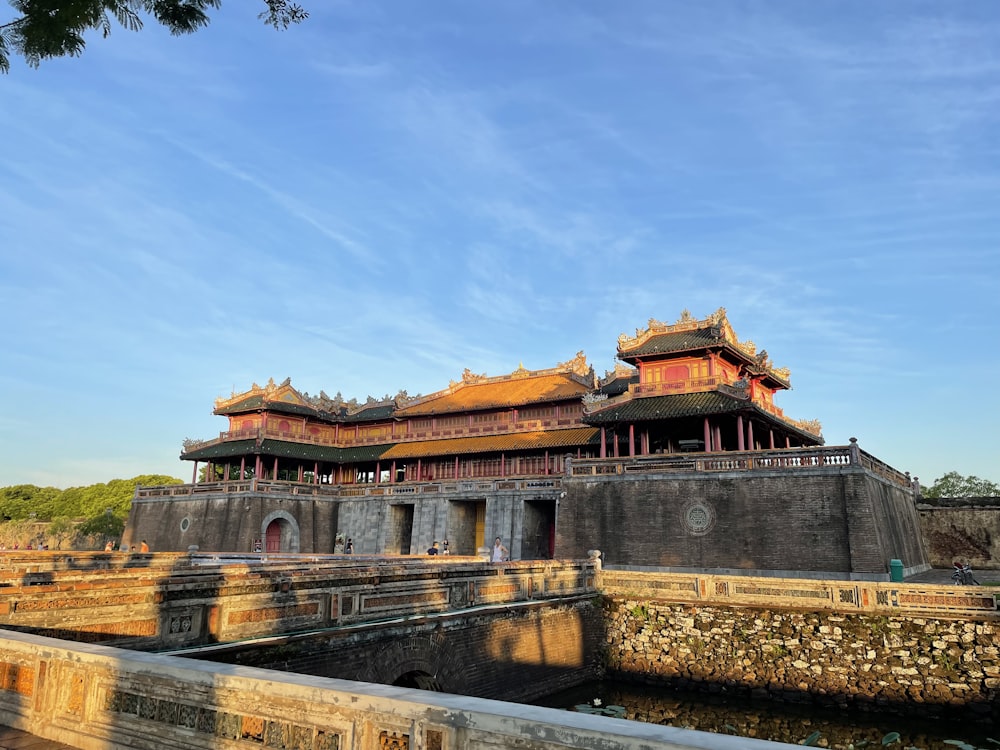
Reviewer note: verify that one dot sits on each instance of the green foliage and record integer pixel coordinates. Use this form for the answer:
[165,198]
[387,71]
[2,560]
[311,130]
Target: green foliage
[640,612]
[954,484]
[26,501]
[105,526]
[20,501]
[43,29]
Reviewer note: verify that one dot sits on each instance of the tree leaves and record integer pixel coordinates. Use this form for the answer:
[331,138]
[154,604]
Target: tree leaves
[43,29]
[954,484]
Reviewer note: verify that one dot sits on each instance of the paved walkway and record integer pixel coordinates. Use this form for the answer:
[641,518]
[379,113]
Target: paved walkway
[943,575]
[15,739]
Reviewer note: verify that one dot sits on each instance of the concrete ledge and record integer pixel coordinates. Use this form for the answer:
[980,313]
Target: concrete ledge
[95,697]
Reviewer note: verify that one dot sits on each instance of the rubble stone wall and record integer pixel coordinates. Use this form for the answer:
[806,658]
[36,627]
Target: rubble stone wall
[909,664]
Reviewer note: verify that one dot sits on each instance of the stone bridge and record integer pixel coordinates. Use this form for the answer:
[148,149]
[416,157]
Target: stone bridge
[461,625]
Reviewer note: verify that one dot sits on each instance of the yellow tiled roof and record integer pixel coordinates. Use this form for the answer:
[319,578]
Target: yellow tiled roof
[497,394]
[521,441]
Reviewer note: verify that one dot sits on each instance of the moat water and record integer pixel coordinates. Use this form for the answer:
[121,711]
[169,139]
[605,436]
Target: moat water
[769,720]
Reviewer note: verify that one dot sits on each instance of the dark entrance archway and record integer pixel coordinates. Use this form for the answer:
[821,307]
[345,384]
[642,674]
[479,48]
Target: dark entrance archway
[420,680]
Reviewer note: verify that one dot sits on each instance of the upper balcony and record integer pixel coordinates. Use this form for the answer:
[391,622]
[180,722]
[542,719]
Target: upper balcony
[349,440]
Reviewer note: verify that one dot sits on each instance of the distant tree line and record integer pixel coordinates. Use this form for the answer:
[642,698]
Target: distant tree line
[954,484]
[81,517]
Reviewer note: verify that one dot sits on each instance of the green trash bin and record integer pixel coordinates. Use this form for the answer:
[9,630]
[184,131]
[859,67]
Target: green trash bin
[896,571]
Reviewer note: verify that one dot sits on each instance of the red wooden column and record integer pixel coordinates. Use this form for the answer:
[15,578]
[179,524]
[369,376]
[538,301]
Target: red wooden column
[740,443]
[392,478]
[456,467]
[194,474]
[378,472]
[257,468]
[243,468]
[604,443]
[547,460]
[631,440]
[708,436]
[275,477]
[616,444]
[788,441]
[302,472]
[771,438]
[419,470]
[750,445]
[503,465]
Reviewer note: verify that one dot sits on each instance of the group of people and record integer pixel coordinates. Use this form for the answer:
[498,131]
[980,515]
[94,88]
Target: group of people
[499,553]
[143,547]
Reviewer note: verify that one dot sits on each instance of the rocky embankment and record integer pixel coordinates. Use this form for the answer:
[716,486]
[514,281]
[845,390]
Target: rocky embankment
[911,665]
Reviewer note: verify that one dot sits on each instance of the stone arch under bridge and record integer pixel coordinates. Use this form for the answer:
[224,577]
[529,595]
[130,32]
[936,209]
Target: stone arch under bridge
[421,661]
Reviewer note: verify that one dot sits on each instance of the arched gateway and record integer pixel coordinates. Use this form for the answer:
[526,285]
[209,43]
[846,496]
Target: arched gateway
[281,532]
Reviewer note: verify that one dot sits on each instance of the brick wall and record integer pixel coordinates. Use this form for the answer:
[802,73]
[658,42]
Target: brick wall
[966,529]
[838,520]
[511,653]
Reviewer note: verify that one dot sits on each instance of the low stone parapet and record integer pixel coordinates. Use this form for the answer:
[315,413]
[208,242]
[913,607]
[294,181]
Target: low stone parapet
[799,593]
[96,697]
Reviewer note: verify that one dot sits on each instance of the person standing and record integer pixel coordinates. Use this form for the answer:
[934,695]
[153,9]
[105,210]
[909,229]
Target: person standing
[349,547]
[500,553]
[143,547]
[433,550]
[444,548]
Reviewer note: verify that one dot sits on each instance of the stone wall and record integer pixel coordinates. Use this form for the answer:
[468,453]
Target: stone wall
[965,529]
[96,697]
[838,520]
[908,664]
[517,652]
[163,600]
[219,522]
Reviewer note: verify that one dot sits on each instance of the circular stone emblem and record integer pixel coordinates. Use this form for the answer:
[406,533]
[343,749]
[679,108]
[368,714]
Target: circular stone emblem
[698,518]
[185,523]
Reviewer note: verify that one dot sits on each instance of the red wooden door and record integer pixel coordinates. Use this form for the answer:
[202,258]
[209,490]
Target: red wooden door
[272,541]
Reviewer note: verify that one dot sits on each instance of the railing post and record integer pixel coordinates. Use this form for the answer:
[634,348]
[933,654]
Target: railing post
[855,452]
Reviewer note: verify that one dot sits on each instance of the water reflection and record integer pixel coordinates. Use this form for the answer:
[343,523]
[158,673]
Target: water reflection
[768,720]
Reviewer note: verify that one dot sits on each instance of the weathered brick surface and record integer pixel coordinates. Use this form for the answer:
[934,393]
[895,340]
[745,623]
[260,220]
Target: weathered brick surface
[833,520]
[221,523]
[966,529]
[514,654]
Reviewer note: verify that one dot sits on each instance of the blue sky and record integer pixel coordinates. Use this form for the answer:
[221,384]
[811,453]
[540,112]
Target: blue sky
[393,192]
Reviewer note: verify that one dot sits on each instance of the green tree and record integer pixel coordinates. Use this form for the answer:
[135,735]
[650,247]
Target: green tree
[61,529]
[19,501]
[104,526]
[43,29]
[954,484]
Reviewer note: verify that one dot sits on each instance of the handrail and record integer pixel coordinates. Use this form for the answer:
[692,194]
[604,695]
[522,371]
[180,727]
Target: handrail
[280,487]
[764,460]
